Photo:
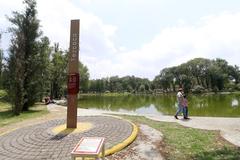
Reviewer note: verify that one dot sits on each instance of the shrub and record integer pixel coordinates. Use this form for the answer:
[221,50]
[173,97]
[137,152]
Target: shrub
[198,89]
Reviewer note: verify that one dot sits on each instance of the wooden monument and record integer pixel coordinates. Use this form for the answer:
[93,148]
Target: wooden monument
[73,74]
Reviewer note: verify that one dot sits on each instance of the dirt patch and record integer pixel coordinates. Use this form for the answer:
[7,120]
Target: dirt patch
[147,146]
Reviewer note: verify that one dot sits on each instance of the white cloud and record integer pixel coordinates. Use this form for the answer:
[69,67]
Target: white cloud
[211,37]
[96,37]
[55,19]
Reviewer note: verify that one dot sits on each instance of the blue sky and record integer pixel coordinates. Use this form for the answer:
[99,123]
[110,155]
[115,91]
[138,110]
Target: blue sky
[140,20]
[139,37]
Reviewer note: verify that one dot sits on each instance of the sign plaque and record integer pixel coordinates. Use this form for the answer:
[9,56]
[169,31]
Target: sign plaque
[89,147]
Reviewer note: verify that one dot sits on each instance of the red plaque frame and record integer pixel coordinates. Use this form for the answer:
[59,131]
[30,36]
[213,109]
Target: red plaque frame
[73,83]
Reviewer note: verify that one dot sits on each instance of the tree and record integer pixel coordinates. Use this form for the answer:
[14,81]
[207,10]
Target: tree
[201,72]
[234,73]
[1,66]
[23,57]
[141,88]
[186,81]
[44,67]
[84,77]
[58,73]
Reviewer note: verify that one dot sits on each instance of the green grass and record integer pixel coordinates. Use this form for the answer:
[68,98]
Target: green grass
[7,117]
[187,143]
[3,93]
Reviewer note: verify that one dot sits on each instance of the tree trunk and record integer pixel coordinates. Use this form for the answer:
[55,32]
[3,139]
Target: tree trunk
[18,99]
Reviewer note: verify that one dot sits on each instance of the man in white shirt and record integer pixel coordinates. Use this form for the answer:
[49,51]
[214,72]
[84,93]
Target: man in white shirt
[179,100]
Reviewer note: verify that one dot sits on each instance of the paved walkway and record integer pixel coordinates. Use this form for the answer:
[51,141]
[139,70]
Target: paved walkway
[39,142]
[229,127]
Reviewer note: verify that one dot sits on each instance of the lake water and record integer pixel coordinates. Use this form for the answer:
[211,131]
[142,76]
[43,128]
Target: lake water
[225,105]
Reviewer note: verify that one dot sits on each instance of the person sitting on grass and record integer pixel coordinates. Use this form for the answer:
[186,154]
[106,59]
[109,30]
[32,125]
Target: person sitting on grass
[48,100]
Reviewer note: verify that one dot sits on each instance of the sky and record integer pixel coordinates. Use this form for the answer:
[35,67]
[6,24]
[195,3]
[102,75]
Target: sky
[138,37]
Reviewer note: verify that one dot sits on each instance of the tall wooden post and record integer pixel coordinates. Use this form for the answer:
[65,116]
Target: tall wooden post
[73,74]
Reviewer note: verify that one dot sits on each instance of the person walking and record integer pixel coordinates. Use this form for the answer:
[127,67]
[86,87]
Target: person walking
[185,107]
[179,101]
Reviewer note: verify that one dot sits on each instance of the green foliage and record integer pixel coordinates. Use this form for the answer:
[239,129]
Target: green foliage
[23,56]
[141,88]
[3,93]
[198,89]
[27,74]
[1,66]
[43,70]
[33,68]
[58,73]
[84,77]
[115,84]
[237,87]
[210,74]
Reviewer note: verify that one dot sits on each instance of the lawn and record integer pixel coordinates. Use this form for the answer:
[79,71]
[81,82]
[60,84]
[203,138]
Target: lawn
[187,143]
[7,117]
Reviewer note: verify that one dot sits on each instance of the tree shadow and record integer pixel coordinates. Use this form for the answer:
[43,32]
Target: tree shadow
[9,113]
[224,153]
[6,114]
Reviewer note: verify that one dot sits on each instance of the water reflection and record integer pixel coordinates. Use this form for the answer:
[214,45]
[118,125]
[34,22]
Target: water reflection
[148,110]
[234,103]
[205,105]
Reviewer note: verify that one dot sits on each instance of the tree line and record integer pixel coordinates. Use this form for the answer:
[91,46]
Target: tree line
[129,84]
[197,75]
[33,69]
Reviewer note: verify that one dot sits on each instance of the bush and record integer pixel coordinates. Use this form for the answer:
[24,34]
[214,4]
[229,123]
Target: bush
[230,87]
[237,87]
[3,93]
[215,89]
[198,89]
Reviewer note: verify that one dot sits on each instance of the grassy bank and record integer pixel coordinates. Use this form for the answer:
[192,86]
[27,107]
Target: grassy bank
[7,117]
[187,143]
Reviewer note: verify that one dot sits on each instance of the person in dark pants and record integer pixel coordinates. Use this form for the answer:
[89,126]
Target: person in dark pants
[179,101]
[185,107]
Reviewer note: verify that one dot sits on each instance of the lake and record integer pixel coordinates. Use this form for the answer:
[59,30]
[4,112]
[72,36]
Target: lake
[216,105]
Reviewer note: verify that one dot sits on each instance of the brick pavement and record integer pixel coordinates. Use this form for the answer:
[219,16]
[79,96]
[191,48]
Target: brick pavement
[38,142]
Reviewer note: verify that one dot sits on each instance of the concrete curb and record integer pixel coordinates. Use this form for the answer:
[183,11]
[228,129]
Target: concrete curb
[125,143]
